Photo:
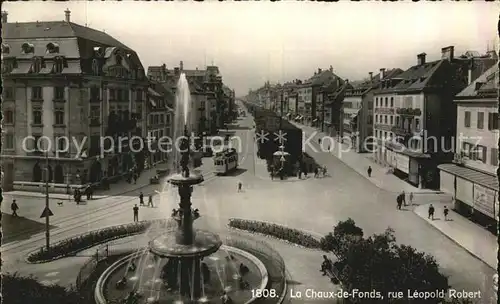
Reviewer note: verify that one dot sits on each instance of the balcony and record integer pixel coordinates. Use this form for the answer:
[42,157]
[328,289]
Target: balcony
[409,112]
[384,110]
[382,127]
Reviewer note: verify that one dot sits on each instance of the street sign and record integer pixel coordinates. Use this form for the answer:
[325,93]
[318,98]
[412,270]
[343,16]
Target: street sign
[46,212]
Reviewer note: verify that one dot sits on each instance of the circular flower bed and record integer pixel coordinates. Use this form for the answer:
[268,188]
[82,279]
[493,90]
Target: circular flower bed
[87,240]
[291,235]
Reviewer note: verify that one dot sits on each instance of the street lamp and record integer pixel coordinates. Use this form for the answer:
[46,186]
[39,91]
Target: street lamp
[47,212]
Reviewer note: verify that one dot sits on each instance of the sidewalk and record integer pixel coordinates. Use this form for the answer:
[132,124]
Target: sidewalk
[473,238]
[360,162]
[119,188]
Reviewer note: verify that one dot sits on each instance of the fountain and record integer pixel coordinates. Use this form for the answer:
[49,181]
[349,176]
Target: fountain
[183,264]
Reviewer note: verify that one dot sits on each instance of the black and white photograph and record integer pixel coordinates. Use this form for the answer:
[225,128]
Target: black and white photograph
[250,152]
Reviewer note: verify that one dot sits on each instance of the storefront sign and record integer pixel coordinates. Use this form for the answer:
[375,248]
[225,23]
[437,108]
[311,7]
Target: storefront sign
[484,200]
[464,191]
[402,162]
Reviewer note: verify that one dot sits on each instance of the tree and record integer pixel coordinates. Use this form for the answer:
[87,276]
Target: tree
[378,263]
[20,290]
[343,232]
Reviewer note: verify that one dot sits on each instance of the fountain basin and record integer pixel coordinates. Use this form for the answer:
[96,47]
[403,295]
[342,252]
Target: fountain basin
[181,180]
[205,243]
[105,290]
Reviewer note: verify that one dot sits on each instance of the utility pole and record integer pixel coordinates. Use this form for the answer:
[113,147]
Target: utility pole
[47,213]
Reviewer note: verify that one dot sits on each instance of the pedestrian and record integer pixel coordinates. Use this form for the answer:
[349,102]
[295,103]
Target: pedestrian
[240,185]
[316,172]
[87,193]
[369,171]
[136,176]
[329,150]
[446,211]
[399,201]
[431,212]
[411,198]
[136,213]
[14,208]
[319,141]
[150,201]
[141,199]
[325,171]
[403,195]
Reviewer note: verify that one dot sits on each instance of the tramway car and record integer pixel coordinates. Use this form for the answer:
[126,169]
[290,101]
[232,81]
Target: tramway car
[226,161]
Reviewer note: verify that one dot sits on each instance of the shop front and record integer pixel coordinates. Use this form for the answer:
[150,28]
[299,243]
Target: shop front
[475,192]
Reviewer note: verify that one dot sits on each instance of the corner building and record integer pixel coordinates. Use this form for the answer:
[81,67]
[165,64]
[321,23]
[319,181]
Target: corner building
[62,79]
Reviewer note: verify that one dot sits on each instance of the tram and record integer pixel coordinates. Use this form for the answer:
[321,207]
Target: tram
[225,161]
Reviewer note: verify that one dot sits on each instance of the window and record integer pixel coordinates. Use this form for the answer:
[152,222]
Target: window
[27,48]
[370,119]
[8,92]
[9,141]
[139,95]
[59,116]
[480,120]
[392,102]
[467,119]
[397,121]
[61,143]
[494,157]
[95,115]
[36,93]
[52,48]
[139,111]
[8,117]
[38,144]
[118,59]
[392,120]
[386,103]
[95,67]
[37,116]
[112,94]
[59,93]
[5,48]
[36,66]
[385,119]
[492,121]
[94,93]
[417,125]
[58,65]
[480,153]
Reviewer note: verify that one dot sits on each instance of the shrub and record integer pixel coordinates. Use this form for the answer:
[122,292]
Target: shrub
[291,235]
[20,290]
[78,243]
[344,233]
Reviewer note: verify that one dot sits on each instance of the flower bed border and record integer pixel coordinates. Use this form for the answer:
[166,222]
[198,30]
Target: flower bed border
[31,260]
[270,224]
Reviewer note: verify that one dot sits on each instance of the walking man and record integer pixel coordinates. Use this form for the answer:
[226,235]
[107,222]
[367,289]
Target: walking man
[136,213]
[141,199]
[403,194]
[369,171]
[150,201]
[399,201]
[14,208]
[446,211]
[411,198]
[240,185]
[431,212]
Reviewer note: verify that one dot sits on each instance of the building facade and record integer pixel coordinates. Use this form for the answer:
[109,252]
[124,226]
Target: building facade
[64,82]
[471,178]
[416,117]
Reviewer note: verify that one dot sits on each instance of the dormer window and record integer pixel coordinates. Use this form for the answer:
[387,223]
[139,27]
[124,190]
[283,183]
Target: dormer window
[5,48]
[27,48]
[119,60]
[58,65]
[95,67]
[36,66]
[52,48]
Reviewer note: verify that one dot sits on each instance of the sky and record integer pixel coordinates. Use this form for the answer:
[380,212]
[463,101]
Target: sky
[253,42]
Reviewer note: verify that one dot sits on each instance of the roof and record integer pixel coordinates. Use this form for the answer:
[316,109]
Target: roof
[339,93]
[483,84]
[416,78]
[361,87]
[477,177]
[321,78]
[57,29]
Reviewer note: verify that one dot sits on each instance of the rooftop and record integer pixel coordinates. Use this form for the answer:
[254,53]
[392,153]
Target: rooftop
[485,85]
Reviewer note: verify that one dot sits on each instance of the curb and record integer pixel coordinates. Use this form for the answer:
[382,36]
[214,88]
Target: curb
[456,242]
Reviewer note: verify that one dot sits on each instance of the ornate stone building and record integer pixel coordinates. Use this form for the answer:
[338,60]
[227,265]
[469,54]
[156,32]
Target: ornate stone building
[67,81]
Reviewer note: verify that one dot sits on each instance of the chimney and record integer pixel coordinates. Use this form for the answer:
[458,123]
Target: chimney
[469,75]
[319,71]
[421,58]
[331,69]
[163,67]
[4,16]
[371,76]
[382,73]
[67,13]
[181,66]
[447,52]
[347,81]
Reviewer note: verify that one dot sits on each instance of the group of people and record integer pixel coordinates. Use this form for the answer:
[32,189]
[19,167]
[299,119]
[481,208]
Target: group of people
[401,200]
[88,192]
[141,203]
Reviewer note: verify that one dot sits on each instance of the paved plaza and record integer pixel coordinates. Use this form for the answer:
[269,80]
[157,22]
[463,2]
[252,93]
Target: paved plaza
[313,204]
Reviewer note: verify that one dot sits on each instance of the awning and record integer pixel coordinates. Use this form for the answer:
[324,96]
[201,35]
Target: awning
[152,102]
[315,120]
[297,118]
[477,177]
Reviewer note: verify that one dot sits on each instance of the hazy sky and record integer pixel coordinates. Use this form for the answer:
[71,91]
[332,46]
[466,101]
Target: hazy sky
[256,41]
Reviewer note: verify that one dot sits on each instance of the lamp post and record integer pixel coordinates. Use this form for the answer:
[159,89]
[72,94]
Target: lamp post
[46,211]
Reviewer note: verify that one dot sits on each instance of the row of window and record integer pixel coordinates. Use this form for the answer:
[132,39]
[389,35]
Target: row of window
[479,153]
[398,121]
[38,64]
[492,120]
[155,119]
[10,142]
[384,102]
[37,118]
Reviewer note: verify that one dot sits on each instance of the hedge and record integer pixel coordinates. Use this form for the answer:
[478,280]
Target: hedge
[291,235]
[87,240]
